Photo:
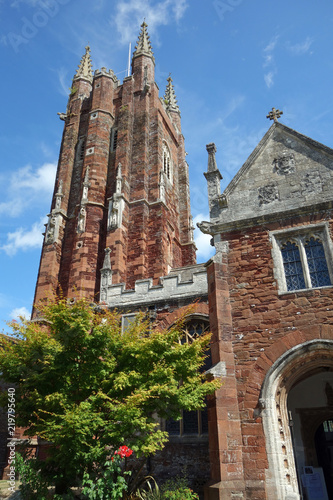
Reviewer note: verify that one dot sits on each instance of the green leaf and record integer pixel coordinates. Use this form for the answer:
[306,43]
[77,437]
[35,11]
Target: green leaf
[86,388]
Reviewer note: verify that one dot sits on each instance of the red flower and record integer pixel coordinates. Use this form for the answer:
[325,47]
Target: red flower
[124,451]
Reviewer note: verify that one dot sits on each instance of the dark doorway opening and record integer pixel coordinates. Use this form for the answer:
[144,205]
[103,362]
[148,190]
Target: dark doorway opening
[324,449]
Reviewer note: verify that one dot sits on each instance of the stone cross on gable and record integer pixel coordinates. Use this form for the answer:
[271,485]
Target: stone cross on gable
[274,114]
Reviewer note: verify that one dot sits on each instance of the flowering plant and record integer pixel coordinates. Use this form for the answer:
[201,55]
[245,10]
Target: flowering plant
[123,452]
[110,483]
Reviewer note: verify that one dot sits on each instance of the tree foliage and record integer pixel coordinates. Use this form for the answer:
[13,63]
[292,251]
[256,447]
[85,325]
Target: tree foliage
[87,388]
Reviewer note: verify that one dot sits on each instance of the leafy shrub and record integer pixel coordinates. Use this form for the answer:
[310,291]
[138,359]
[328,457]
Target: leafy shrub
[33,486]
[177,489]
[111,483]
[180,494]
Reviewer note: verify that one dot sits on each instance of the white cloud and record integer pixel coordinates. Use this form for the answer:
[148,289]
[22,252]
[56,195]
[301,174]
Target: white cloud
[269,79]
[64,81]
[300,48]
[179,9]
[41,179]
[27,187]
[130,14]
[269,61]
[12,208]
[19,312]
[202,241]
[234,104]
[272,44]
[23,239]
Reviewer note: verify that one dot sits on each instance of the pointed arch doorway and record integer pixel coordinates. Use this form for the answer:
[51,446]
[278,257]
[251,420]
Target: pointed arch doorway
[297,398]
[310,409]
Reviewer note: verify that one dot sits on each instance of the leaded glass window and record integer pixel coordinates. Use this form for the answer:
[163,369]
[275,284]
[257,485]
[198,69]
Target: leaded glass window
[172,427]
[192,423]
[292,266]
[318,270]
[305,256]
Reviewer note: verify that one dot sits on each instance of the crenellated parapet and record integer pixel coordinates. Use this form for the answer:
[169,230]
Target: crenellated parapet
[188,282]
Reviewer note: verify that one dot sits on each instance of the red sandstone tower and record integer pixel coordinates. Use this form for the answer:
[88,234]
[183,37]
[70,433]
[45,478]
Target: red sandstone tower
[121,194]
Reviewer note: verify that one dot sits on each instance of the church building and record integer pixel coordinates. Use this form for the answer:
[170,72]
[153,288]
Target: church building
[120,230]
[271,315]
[120,233]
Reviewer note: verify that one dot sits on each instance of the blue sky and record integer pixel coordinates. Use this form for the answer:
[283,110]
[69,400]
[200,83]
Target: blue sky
[231,61]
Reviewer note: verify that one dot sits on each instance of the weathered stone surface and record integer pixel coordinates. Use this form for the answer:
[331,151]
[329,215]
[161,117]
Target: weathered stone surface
[149,236]
[286,184]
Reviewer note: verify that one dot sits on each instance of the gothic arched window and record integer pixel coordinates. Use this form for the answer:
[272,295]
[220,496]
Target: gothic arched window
[194,423]
[317,264]
[302,258]
[305,263]
[167,165]
[292,266]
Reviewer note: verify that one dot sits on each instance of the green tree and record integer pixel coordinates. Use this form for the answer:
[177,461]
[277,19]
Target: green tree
[87,388]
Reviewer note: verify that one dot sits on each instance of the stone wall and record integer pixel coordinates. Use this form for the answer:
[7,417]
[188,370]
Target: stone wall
[264,323]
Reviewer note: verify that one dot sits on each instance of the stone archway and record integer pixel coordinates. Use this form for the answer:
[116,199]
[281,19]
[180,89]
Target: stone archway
[290,369]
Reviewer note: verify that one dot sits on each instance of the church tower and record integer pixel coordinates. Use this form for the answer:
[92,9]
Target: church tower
[120,210]
[120,230]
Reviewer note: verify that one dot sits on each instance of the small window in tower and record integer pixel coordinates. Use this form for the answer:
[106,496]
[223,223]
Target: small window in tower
[114,139]
[167,162]
[302,258]
[80,149]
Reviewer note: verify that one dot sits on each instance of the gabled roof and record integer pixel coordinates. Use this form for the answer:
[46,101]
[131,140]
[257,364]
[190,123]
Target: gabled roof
[261,145]
[288,174]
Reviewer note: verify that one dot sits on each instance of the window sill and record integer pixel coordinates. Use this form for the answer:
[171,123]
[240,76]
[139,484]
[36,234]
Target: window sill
[188,438]
[304,291]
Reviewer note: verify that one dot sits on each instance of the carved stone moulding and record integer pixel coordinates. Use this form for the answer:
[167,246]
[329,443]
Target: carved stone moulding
[284,165]
[267,194]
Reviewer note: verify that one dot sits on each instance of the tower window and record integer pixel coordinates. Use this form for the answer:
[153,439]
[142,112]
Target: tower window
[114,139]
[80,149]
[167,162]
[302,258]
